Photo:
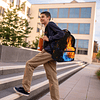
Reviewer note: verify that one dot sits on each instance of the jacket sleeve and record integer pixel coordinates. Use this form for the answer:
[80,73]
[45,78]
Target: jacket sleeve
[56,29]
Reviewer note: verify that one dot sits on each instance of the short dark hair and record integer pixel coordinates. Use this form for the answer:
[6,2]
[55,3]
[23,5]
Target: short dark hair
[47,14]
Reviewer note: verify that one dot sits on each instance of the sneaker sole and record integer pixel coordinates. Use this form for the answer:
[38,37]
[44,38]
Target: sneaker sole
[19,92]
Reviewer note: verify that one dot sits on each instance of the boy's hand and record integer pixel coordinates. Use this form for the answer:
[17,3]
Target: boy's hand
[45,38]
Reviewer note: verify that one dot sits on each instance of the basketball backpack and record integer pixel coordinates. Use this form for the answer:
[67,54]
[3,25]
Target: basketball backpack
[64,49]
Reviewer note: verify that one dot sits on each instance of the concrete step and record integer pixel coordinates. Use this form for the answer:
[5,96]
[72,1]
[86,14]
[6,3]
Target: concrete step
[10,69]
[7,81]
[39,85]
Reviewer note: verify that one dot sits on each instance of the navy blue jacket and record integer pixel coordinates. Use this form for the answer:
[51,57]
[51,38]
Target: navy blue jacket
[53,32]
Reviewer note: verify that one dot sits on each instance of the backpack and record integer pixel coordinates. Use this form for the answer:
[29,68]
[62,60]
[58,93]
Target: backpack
[64,49]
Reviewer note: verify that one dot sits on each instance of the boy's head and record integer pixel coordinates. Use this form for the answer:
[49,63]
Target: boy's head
[45,17]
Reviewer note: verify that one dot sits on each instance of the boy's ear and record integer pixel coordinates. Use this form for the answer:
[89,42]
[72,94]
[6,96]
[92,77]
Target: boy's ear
[49,17]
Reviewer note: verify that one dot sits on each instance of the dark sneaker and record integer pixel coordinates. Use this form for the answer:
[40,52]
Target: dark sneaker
[21,91]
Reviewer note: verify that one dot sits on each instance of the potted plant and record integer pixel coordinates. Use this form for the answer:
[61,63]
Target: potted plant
[98,73]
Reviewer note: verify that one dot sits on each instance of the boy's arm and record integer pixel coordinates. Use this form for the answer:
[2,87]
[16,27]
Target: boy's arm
[56,29]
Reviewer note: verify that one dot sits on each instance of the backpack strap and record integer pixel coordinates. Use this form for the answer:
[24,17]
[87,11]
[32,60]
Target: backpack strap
[50,41]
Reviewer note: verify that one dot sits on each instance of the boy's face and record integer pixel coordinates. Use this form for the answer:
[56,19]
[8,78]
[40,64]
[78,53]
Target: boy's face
[44,19]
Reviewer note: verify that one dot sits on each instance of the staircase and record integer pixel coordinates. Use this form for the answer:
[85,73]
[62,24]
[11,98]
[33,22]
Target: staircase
[11,76]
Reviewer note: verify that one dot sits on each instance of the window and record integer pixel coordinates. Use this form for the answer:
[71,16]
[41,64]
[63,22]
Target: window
[85,12]
[84,29]
[75,42]
[62,25]
[38,30]
[83,47]
[73,28]
[41,10]
[88,14]
[75,45]
[74,13]
[28,11]
[63,13]
[70,27]
[2,10]
[53,13]
[24,7]
[12,2]
[45,9]
[17,3]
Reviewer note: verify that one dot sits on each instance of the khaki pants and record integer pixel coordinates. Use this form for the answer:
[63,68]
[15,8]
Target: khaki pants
[50,68]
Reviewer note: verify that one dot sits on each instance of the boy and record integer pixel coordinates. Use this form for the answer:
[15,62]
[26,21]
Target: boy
[52,33]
